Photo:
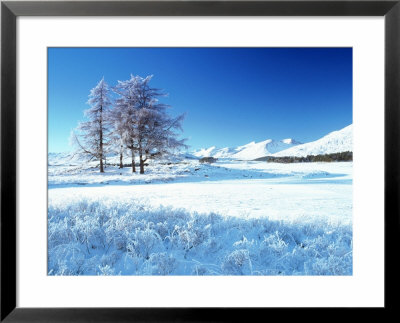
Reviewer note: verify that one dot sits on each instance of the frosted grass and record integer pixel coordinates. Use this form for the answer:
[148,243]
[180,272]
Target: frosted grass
[132,238]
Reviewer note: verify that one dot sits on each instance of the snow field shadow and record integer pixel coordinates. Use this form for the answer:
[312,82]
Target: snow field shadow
[95,238]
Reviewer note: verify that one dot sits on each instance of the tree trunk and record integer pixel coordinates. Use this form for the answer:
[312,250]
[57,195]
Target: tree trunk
[101,140]
[133,161]
[121,165]
[141,163]
[101,165]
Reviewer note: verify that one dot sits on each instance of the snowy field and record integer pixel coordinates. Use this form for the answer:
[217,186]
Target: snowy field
[188,218]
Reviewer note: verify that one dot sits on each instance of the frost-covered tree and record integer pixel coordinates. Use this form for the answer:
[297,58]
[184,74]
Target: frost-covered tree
[123,116]
[91,140]
[156,130]
[148,129]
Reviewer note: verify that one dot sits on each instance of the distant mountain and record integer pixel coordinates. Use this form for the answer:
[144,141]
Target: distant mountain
[334,142]
[249,151]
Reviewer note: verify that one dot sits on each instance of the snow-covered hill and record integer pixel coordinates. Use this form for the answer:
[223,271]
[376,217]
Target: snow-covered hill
[64,159]
[334,142]
[249,151]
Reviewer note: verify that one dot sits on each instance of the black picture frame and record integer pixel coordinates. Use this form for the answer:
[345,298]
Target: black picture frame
[10,10]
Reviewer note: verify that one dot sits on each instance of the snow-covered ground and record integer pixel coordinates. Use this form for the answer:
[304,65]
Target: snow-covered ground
[187,218]
[246,189]
[190,170]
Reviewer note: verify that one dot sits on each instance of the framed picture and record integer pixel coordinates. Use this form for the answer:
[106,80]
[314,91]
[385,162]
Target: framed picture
[189,155]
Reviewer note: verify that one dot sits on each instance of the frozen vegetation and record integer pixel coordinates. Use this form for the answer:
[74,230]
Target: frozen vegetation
[110,238]
[186,218]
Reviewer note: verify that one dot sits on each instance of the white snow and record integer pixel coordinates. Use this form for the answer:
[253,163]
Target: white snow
[186,218]
[249,151]
[290,141]
[285,199]
[204,152]
[334,142]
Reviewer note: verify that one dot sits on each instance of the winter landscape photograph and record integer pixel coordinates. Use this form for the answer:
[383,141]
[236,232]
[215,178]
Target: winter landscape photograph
[200,161]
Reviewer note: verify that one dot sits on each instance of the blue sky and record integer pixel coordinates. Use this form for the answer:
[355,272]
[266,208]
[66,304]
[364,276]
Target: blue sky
[231,96]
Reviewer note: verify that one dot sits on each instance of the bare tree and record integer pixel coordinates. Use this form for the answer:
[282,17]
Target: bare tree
[156,132]
[142,122]
[123,116]
[91,139]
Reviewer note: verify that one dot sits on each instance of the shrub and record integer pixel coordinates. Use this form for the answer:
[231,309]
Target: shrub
[237,263]
[162,264]
[209,160]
